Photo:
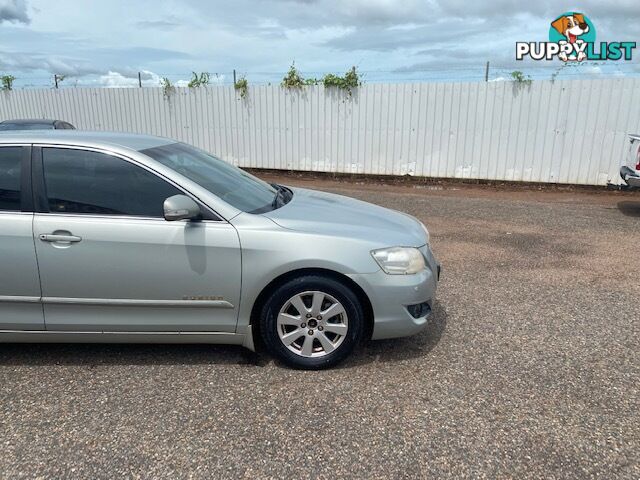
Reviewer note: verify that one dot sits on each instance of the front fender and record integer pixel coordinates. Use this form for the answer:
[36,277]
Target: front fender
[270,251]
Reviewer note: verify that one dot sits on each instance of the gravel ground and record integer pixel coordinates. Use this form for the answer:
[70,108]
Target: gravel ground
[530,368]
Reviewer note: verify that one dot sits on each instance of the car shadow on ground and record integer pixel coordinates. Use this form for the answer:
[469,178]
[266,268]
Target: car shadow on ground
[98,354]
[630,208]
[400,349]
[95,355]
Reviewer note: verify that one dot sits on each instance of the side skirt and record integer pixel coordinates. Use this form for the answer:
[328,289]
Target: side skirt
[42,336]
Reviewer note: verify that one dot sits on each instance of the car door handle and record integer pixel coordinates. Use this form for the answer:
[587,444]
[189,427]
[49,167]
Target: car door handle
[60,238]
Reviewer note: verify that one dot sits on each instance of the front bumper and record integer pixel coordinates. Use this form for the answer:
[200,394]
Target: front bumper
[390,295]
[630,176]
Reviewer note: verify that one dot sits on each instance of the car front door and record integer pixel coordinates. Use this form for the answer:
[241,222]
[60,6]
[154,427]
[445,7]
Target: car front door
[20,307]
[108,259]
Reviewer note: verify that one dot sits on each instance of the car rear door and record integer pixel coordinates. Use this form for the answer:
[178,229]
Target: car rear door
[110,262]
[20,307]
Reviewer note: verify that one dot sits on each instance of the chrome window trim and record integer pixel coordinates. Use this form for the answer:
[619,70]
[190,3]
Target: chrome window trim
[18,299]
[15,212]
[133,161]
[124,217]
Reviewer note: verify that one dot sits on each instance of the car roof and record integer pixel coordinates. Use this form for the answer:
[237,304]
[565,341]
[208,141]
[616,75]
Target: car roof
[28,121]
[83,138]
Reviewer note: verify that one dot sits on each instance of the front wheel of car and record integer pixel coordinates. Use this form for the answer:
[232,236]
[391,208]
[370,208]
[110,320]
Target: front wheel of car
[312,322]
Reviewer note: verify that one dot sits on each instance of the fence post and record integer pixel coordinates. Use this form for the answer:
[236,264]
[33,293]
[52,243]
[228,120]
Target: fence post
[486,73]
[55,80]
[139,80]
[234,77]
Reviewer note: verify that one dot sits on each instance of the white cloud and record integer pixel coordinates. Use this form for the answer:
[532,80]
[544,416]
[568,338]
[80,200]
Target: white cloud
[129,78]
[118,80]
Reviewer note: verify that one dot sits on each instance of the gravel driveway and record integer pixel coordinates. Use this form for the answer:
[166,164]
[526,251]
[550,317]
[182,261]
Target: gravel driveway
[530,368]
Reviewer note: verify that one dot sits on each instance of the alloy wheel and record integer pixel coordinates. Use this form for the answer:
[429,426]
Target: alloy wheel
[312,324]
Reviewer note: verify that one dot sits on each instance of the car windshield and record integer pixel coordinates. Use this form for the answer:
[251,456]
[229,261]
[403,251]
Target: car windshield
[26,126]
[229,183]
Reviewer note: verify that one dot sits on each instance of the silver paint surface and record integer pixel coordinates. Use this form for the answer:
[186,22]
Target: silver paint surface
[131,274]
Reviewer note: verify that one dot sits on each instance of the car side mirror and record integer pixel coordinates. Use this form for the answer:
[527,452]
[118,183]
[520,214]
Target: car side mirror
[181,207]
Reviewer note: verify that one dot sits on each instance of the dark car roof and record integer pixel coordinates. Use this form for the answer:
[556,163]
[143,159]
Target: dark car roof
[26,121]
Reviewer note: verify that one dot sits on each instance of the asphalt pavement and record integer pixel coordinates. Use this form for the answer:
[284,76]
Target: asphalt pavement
[530,368]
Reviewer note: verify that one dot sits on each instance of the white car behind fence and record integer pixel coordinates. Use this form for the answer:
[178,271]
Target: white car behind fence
[630,172]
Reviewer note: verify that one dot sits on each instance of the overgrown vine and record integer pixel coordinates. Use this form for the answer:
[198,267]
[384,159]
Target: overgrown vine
[201,80]
[167,87]
[6,82]
[293,79]
[349,81]
[242,86]
[520,78]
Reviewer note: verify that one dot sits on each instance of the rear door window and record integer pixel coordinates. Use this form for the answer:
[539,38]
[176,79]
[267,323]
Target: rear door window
[10,178]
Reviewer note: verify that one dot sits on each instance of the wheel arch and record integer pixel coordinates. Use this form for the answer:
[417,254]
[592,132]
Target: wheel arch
[365,303]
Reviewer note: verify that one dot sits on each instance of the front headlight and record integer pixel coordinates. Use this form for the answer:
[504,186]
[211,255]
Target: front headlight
[399,260]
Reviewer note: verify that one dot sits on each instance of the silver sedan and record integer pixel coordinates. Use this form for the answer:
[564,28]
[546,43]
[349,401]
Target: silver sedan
[110,237]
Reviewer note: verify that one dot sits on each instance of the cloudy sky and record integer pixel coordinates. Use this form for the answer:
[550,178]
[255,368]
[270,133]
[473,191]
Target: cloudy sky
[107,42]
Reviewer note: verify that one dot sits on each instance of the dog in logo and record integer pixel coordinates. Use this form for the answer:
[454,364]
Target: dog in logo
[571,27]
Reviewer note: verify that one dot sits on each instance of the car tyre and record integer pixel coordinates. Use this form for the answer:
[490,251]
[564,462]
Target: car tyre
[311,322]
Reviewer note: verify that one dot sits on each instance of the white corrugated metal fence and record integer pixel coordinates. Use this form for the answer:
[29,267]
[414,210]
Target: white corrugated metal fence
[560,132]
